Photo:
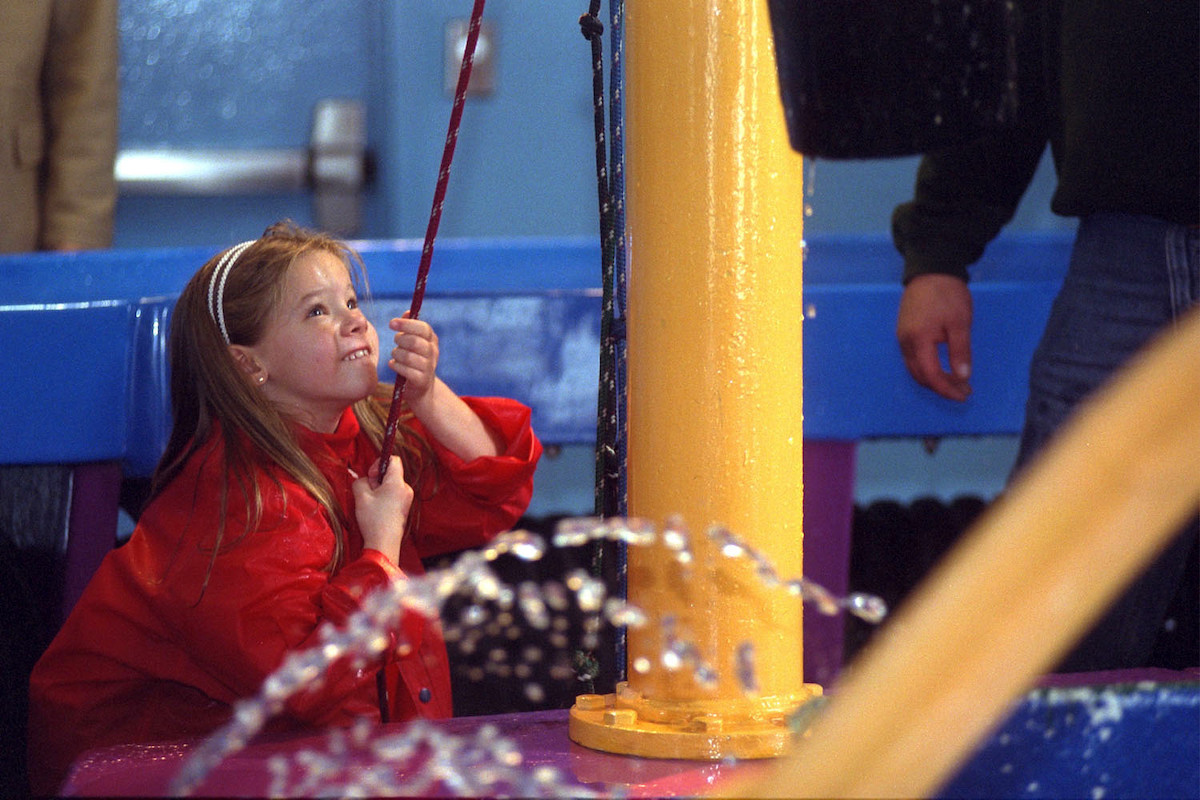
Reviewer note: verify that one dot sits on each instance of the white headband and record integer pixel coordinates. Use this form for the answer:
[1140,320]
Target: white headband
[216,285]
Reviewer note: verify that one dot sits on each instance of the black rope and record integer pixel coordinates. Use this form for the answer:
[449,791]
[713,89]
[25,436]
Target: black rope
[608,499]
[616,81]
[616,127]
[609,491]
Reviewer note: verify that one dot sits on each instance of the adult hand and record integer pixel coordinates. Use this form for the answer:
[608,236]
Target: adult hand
[936,310]
[381,508]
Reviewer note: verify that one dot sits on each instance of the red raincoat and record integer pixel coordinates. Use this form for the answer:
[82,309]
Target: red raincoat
[150,653]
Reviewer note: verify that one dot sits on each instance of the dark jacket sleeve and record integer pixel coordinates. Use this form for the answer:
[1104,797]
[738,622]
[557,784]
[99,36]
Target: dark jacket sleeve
[965,194]
[963,198]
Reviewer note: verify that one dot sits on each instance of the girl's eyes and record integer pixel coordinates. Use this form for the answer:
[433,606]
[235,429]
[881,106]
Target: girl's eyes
[319,310]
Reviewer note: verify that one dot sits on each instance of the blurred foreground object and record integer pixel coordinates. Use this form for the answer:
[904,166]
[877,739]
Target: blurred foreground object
[1027,581]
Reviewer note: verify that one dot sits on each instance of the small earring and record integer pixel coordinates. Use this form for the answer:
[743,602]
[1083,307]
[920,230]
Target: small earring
[262,379]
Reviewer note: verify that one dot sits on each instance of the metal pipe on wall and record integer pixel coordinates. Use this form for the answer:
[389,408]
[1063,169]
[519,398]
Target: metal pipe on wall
[336,166]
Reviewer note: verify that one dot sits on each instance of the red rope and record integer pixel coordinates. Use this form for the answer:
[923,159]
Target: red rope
[435,216]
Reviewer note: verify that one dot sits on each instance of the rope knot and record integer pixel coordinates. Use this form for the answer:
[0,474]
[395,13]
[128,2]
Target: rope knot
[590,27]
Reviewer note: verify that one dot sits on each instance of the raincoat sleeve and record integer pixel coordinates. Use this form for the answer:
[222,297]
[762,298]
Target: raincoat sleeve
[466,503]
[266,594]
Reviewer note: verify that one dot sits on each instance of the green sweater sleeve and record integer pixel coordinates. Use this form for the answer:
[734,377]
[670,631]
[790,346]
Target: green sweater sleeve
[1113,87]
[963,197]
[965,194]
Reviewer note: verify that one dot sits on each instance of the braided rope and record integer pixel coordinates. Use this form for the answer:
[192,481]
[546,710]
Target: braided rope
[609,496]
[435,216]
[616,80]
[608,470]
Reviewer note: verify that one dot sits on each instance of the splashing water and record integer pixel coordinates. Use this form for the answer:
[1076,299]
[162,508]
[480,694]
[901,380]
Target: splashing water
[418,761]
[487,764]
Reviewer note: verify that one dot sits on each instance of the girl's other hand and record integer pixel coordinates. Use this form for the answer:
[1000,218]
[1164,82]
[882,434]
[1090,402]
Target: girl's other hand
[382,508]
[415,356]
[447,419]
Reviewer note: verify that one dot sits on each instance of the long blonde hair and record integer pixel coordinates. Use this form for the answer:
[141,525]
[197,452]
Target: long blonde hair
[208,388]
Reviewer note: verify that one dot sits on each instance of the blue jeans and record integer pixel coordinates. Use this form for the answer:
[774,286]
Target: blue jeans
[1129,278]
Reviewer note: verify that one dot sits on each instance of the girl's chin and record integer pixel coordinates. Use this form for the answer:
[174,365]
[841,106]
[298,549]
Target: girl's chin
[362,371]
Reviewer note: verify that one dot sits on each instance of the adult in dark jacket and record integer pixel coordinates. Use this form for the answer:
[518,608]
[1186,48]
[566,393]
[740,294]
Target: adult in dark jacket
[1112,86]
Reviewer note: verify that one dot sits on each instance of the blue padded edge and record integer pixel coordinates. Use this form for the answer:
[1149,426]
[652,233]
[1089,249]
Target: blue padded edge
[67,369]
[517,317]
[1125,740]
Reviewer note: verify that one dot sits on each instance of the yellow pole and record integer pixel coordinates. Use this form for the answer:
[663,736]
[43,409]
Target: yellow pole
[714,214]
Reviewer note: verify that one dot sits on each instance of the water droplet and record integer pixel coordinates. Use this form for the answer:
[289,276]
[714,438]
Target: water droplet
[575,579]
[529,598]
[633,532]
[706,676]
[473,615]
[767,575]
[730,546]
[577,531]
[747,676]
[622,614]
[487,586]
[675,539]
[590,594]
[525,545]
[867,607]
[555,596]
[249,715]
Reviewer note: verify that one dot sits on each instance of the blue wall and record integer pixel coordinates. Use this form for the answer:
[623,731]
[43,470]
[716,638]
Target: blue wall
[246,73]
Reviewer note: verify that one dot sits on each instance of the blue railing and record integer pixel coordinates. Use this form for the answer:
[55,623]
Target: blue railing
[83,339]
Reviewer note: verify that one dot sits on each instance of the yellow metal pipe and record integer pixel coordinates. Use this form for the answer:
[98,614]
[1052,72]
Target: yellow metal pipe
[714,214]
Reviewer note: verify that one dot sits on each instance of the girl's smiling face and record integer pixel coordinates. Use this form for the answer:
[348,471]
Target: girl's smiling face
[318,352]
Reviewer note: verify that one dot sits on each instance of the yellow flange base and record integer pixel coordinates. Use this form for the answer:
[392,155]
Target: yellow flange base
[627,723]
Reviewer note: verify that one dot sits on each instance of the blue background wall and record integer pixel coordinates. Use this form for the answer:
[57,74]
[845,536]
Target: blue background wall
[246,73]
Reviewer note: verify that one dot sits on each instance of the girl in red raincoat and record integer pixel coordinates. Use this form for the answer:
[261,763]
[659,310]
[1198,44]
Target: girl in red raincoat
[267,517]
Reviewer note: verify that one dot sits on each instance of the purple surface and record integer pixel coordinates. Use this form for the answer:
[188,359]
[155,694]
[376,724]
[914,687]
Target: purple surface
[92,532]
[828,518]
[541,737]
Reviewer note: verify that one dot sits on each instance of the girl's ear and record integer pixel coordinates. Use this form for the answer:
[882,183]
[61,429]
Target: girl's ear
[248,363]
